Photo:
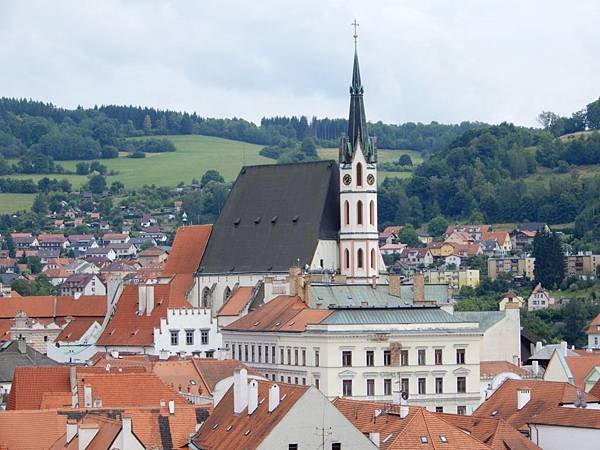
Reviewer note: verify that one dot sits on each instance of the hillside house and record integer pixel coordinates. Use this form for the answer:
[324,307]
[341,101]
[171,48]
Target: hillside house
[540,298]
[78,284]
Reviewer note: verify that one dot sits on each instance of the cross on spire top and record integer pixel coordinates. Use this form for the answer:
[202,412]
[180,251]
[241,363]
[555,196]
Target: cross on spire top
[355,24]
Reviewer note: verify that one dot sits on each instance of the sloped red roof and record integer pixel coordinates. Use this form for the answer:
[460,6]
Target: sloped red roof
[580,366]
[490,369]
[128,328]
[236,303]
[188,248]
[75,329]
[260,422]
[593,325]
[31,430]
[30,383]
[46,306]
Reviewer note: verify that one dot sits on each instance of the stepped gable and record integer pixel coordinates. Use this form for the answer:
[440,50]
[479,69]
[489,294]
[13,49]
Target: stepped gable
[274,217]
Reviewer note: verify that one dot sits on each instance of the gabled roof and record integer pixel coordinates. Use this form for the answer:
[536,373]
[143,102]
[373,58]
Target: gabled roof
[78,280]
[75,329]
[274,217]
[397,433]
[213,370]
[31,383]
[581,365]
[593,327]
[50,306]
[188,248]
[568,417]
[127,328]
[11,358]
[284,313]
[236,303]
[214,435]
[545,395]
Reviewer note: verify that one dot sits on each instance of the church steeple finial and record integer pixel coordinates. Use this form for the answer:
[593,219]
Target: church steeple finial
[357,119]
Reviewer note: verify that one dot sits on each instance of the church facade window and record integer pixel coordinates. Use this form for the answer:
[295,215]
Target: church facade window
[372,212]
[347,212]
[359,212]
[360,258]
[359,174]
[346,259]
[372,258]
[226,294]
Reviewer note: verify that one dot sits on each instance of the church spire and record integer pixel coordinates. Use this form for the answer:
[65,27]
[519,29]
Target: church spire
[357,119]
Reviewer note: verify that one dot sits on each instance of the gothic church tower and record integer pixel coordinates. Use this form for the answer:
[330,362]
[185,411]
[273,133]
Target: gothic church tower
[360,259]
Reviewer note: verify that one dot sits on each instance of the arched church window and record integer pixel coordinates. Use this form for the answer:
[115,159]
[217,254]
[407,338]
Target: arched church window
[360,258]
[359,212]
[372,212]
[226,294]
[347,259]
[205,298]
[347,212]
[359,174]
[372,258]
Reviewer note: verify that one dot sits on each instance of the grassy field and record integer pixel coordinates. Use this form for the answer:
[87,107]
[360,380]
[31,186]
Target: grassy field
[15,202]
[383,156]
[194,156]
[543,175]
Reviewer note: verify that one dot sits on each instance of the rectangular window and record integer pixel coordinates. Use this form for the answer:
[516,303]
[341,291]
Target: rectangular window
[439,409]
[421,357]
[296,357]
[439,385]
[174,337]
[347,358]
[252,349]
[387,386]
[260,353]
[233,352]
[404,357]
[266,354]
[295,380]
[281,378]
[438,357]
[289,380]
[317,362]
[461,410]
[461,385]
[317,383]
[189,337]
[293,447]
[460,356]
[370,358]
[347,388]
[336,446]
[387,358]
[304,381]
[281,361]
[370,387]
[240,352]
[404,385]
[304,357]
[246,352]
[273,376]
[421,385]
[289,356]
[273,355]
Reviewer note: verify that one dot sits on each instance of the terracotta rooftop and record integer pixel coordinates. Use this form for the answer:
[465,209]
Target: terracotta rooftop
[593,325]
[236,303]
[48,306]
[489,369]
[30,383]
[75,329]
[419,429]
[581,365]
[128,328]
[212,370]
[545,395]
[283,313]
[569,417]
[214,435]
[188,248]
[151,251]
[30,430]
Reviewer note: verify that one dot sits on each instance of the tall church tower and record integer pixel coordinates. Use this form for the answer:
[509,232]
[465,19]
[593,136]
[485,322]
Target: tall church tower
[360,259]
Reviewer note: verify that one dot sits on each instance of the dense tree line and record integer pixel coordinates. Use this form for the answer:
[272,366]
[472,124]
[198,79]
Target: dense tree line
[19,186]
[586,118]
[575,151]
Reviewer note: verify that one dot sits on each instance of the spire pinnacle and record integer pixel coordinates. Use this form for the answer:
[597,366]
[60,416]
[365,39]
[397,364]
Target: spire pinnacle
[355,24]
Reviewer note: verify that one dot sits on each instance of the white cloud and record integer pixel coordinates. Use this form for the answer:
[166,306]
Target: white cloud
[421,60]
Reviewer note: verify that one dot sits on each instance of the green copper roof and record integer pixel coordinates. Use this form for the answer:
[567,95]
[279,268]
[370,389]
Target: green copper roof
[390,316]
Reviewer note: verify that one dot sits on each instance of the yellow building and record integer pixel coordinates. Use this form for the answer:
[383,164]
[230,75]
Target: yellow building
[454,278]
[516,266]
[442,250]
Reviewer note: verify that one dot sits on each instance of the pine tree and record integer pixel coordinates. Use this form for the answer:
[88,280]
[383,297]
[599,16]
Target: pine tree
[549,268]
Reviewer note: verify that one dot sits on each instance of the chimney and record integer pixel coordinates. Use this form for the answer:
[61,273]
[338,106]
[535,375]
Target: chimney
[523,397]
[149,299]
[87,396]
[538,346]
[87,432]
[142,288]
[252,396]
[268,287]
[294,278]
[535,367]
[114,288]
[563,348]
[171,407]
[394,285]
[273,397]
[374,437]
[240,390]
[126,428]
[163,355]
[22,345]
[418,288]
[403,407]
[71,429]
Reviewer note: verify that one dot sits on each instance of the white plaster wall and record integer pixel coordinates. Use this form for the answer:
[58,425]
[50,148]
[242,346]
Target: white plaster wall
[301,426]
[502,341]
[561,438]
[187,319]
[328,251]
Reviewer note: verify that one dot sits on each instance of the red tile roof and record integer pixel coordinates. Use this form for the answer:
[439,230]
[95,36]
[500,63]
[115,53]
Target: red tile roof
[593,325]
[188,249]
[283,313]
[30,430]
[48,306]
[128,328]
[214,435]
[580,367]
[212,370]
[236,303]
[75,329]
[545,395]
[405,433]
[30,383]
[569,417]
[489,369]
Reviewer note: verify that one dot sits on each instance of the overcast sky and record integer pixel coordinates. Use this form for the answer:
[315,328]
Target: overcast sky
[446,60]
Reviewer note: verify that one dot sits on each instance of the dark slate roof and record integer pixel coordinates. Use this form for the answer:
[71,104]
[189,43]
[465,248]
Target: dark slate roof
[11,357]
[532,226]
[273,217]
